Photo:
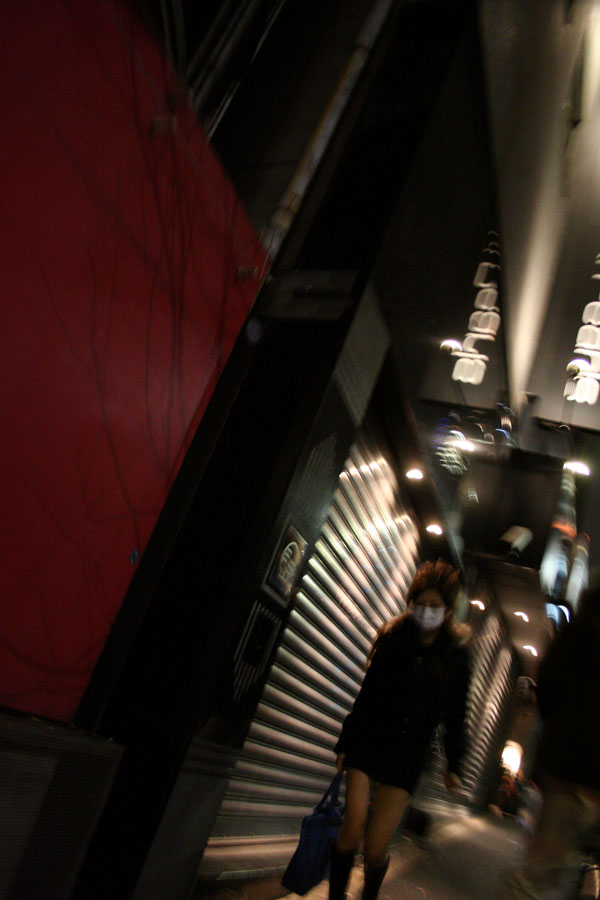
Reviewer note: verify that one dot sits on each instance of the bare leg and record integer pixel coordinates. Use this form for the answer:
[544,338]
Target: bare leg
[358,794]
[388,807]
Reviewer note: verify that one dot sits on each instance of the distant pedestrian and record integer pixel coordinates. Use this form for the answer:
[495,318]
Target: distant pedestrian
[568,761]
[507,797]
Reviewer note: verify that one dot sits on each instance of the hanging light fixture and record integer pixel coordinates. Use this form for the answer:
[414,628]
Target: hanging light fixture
[583,372]
[484,322]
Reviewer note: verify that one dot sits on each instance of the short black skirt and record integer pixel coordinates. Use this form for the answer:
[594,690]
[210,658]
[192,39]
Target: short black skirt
[402,774]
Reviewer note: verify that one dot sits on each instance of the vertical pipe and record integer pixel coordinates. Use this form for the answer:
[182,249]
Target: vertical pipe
[285,213]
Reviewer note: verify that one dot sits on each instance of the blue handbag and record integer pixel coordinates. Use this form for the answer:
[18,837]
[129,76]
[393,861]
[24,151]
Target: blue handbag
[310,863]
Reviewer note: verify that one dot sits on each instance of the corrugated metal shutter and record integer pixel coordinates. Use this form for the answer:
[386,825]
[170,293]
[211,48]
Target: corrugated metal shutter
[492,682]
[492,685]
[355,580]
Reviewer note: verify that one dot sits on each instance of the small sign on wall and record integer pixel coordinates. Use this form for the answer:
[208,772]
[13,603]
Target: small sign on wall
[286,564]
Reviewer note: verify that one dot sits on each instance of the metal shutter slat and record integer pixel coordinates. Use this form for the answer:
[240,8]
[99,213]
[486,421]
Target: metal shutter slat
[304,670]
[291,724]
[255,771]
[372,605]
[278,756]
[332,656]
[363,542]
[314,698]
[309,608]
[332,563]
[295,743]
[339,603]
[363,558]
[243,790]
[283,700]
[298,644]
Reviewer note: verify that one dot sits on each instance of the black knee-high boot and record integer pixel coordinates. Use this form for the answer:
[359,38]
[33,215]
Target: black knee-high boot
[341,865]
[373,879]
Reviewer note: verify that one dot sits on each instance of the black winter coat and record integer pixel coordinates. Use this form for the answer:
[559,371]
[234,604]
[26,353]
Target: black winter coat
[409,689]
[569,700]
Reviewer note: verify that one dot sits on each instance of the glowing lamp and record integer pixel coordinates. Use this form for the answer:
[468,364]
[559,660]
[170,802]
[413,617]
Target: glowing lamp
[511,756]
[574,366]
[450,345]
[467,446]
[434,529]
[577,466]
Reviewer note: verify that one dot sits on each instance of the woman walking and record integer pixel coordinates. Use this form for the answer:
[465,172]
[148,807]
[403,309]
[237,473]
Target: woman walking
[417,677]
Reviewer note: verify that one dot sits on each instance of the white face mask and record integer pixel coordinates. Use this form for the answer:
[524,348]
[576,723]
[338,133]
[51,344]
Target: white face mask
[428,618]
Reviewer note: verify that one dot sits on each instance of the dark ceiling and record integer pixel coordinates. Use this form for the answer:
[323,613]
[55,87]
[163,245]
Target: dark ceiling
[471,118]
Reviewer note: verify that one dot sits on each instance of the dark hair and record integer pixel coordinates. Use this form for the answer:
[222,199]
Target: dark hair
[439,576]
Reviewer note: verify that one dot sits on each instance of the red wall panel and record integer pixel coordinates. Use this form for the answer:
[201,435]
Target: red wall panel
[121,239]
